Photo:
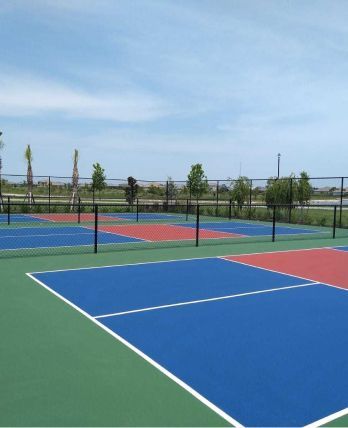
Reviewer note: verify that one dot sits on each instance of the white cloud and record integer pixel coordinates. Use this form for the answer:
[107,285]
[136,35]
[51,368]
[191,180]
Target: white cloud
[23,95]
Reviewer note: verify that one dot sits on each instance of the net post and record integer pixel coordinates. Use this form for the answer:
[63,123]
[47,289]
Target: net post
[341,202]
[137,210]
[8,211]
[96,228]
[334,223]
[230,210]
[197,226]
[273,223]
[79,211]
[187,209]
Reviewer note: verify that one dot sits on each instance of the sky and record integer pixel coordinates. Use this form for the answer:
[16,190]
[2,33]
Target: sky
[149,87]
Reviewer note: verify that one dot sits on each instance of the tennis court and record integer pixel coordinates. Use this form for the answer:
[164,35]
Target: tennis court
[50,234]
[260,338]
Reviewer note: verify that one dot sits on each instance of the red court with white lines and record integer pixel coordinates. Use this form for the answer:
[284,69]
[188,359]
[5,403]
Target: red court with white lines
[165,232]
[325,265]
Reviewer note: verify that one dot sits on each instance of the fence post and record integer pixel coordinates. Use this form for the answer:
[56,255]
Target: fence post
[273,223]
[96,228]
[250,197]
[341,202]
[197,226]
[334,223]
[167,194]
[49,194]
[137,210]
[217,198]
[79,211]
[290,207]
[187,209]
[230,210]
[8,210]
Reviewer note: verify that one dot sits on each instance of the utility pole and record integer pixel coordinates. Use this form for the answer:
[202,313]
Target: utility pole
[278,163]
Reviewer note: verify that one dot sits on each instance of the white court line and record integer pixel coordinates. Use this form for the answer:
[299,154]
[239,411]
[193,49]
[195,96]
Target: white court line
[211,299]
[277,271]
[48,234]
[183,260]
[328,419]
[166,372]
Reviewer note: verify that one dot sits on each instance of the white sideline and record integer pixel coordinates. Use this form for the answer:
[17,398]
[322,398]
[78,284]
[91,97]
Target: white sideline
[329,418]
[211,299]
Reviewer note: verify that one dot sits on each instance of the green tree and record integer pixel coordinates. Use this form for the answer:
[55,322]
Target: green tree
[131,190]
[75,179]
[240,191]
[281,191]
[304,189]
[98,178]
[172,190]
[28,155]
[197,181]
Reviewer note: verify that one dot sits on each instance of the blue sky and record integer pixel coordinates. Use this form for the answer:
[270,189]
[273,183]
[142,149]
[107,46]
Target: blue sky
[149,87]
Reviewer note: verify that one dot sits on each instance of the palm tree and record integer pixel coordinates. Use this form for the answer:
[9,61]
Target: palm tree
[28,155]
[2,145]
[75,181]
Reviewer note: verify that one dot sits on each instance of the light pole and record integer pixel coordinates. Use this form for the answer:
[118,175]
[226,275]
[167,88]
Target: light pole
[278,163]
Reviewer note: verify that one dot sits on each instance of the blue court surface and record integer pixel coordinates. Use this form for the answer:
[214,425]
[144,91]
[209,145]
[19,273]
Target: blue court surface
[20,218]
[265,348]
[44,237]
[250,229]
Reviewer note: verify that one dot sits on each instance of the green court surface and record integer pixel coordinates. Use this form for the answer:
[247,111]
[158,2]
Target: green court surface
[60,369]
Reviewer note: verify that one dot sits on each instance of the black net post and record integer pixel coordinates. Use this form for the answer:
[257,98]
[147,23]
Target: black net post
[230,210]
[96,209]
[197,226]
[137,210]
[274,223]
[79,211]
[49,194]
[334,223]
[187,209]
[341,201]
[8,210]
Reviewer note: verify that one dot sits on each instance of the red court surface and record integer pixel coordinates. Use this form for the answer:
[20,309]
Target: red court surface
[73,217]
[324,265]
[165,232]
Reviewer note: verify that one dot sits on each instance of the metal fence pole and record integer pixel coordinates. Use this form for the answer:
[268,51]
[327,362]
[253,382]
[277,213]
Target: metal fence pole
[290,207]
[250,197]
[96,228]
[230,210]
[79,211]
[197,226]
[167,194]
[334,223]
[187,209]
[341,201]
[273,223]
[137,210]
[49,194]
[217,199]
[8,210]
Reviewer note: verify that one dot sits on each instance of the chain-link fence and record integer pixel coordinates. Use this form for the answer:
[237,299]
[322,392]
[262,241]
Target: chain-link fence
[61,227]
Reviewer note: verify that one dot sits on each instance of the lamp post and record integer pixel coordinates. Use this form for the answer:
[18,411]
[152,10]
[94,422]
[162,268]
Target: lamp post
[278,163]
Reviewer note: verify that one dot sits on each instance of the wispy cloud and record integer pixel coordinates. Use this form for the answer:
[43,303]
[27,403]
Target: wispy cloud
[23,95]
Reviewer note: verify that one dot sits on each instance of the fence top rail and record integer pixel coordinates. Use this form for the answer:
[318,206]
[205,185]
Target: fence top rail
[139,180]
